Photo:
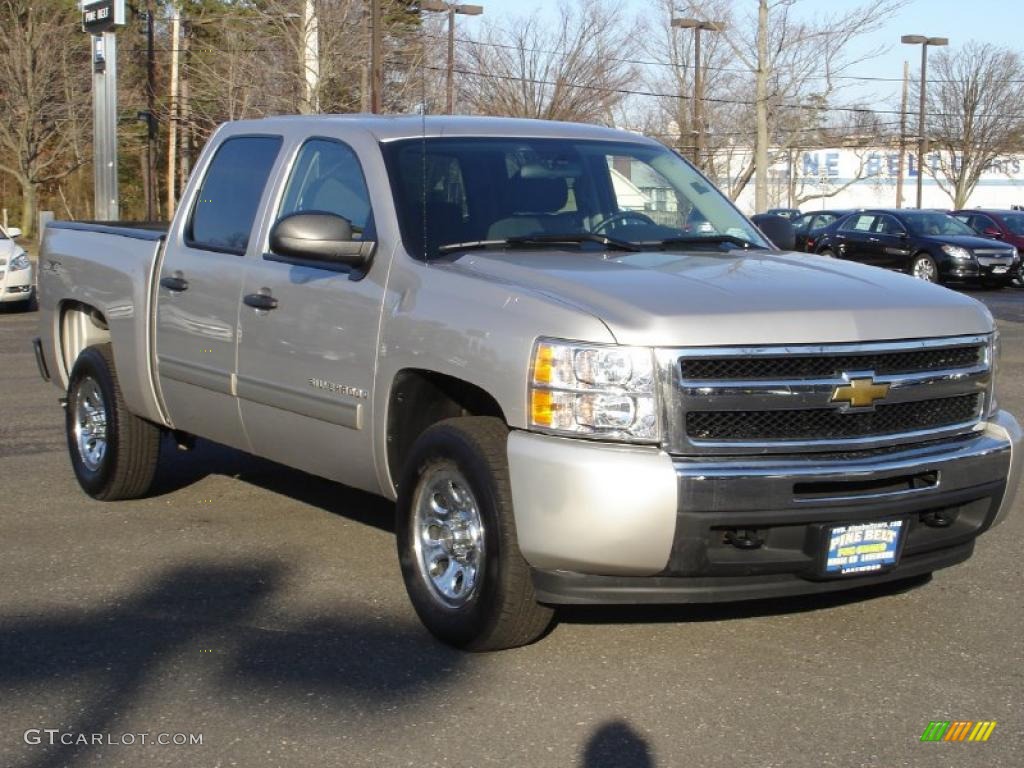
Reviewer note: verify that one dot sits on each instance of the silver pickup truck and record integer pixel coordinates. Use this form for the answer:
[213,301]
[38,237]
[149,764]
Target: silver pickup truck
[581,373]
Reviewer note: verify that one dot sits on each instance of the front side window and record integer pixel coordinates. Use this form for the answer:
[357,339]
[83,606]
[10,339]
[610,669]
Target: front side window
[481,189]
[327,178]
[225,207]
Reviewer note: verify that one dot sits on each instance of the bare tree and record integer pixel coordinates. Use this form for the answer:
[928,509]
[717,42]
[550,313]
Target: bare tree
[974,114]
[572,69]
[794,59]
[39,112]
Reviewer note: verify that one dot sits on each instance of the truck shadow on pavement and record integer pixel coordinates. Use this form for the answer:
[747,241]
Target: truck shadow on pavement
[105,663]
[180,469]
[741,609]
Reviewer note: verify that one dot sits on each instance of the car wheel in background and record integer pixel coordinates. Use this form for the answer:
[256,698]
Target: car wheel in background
[827,253]
[925,268]
[114,453]
[457,541]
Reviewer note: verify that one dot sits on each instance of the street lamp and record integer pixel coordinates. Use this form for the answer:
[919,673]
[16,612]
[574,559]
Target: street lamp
[922,139]
[451,9]
[698,78]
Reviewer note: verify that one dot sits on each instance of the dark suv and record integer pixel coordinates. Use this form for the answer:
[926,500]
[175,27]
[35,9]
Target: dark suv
[930,245]
[1007,226]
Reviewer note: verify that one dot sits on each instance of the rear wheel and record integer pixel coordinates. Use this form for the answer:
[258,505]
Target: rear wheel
[457,541]
[924,268]
[113,452]
[827,253]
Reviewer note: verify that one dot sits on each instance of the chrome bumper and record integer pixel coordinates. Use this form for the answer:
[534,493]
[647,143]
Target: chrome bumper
[593,508]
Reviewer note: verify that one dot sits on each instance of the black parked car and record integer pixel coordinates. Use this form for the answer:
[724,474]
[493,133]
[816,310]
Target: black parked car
[930,245]
[809,227]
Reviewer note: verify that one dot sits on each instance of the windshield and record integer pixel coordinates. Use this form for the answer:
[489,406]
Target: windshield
[482,190]
[930,224]
[1014,222]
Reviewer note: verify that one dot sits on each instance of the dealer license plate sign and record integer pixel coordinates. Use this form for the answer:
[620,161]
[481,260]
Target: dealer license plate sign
[861,548]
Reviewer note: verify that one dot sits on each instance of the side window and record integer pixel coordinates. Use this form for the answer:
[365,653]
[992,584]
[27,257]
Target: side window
[887,225]
[327,177]
[859,223]
[225,207]
[981,223]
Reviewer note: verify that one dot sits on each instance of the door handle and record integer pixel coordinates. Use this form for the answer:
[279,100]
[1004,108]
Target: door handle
[262,300]
[176,282]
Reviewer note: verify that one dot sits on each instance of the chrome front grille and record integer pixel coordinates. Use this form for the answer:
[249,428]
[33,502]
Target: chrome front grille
[823,397]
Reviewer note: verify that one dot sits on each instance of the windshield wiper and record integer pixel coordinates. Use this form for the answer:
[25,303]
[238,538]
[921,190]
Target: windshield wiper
[670,242]
[534,241]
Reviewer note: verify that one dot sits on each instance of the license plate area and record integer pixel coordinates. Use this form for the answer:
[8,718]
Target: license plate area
[862,549]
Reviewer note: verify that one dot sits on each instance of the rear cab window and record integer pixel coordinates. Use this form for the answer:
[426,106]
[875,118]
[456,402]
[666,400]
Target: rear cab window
[225,207]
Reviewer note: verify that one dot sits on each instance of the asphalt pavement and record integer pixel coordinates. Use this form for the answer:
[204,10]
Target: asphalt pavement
[261,610]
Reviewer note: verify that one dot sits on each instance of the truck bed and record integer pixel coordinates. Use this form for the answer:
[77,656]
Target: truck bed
[109,267]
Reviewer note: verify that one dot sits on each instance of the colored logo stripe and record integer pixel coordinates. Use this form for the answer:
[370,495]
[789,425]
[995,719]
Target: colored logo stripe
[935,731]
[982,730]
[958,730]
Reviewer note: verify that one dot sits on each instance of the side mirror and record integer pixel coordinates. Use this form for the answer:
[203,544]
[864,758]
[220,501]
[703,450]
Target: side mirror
[13,233]
[992,232]
[777,229]
[317,236]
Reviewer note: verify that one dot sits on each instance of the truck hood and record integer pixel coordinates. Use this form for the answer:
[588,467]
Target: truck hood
[709,299]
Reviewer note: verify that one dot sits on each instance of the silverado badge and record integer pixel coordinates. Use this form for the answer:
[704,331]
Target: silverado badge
[860,393]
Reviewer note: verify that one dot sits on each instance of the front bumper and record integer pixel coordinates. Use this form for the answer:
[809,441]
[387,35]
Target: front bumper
[604,524]
[994,270]
[16,285]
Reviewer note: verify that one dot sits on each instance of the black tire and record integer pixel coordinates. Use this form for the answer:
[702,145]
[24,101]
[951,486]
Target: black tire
[501,611]
[923,267]
[126,468]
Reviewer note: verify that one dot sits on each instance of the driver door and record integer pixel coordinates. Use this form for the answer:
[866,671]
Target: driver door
[306,365]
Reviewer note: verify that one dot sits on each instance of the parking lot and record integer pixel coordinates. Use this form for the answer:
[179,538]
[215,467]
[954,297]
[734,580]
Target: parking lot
[263,609]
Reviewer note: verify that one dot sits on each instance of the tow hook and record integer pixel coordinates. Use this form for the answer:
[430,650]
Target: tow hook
[744,539]
[939,518]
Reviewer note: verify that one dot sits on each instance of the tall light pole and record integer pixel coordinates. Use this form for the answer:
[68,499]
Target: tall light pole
[451,9]
[698,80]
[922,139]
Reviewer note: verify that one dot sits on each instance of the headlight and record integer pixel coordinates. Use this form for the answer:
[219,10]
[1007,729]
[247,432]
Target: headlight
[594,390]
[994,351]
[957,252]
[19,262]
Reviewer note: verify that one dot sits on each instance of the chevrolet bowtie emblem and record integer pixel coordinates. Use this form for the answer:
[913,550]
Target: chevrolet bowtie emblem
[860,393]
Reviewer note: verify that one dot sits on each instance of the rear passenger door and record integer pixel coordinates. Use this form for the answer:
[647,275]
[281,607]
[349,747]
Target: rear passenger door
[199,287]
[306,366]
[856,239]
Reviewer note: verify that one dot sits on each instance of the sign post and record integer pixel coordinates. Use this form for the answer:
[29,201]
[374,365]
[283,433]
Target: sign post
[100,18]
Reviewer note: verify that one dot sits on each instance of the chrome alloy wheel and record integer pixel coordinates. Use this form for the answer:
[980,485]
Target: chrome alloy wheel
[90,424]
[448,536]
[924,269]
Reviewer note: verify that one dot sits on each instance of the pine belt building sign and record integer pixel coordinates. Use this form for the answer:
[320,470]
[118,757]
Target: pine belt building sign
[102,15]
[866,177]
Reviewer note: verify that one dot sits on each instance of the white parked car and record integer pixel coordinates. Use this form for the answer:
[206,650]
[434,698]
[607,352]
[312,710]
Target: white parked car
[17,275]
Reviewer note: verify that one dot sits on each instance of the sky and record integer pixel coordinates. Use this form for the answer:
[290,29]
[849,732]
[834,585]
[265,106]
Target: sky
[1000,22]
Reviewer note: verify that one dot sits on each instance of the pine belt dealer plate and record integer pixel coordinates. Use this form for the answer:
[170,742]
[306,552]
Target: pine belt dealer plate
[863,548]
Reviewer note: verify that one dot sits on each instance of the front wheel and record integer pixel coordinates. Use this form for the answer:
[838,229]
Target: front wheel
[114,453]
[457,541]
[924,268]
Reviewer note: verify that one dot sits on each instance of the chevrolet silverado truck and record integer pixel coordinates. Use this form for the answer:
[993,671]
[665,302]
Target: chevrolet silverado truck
[580,372]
